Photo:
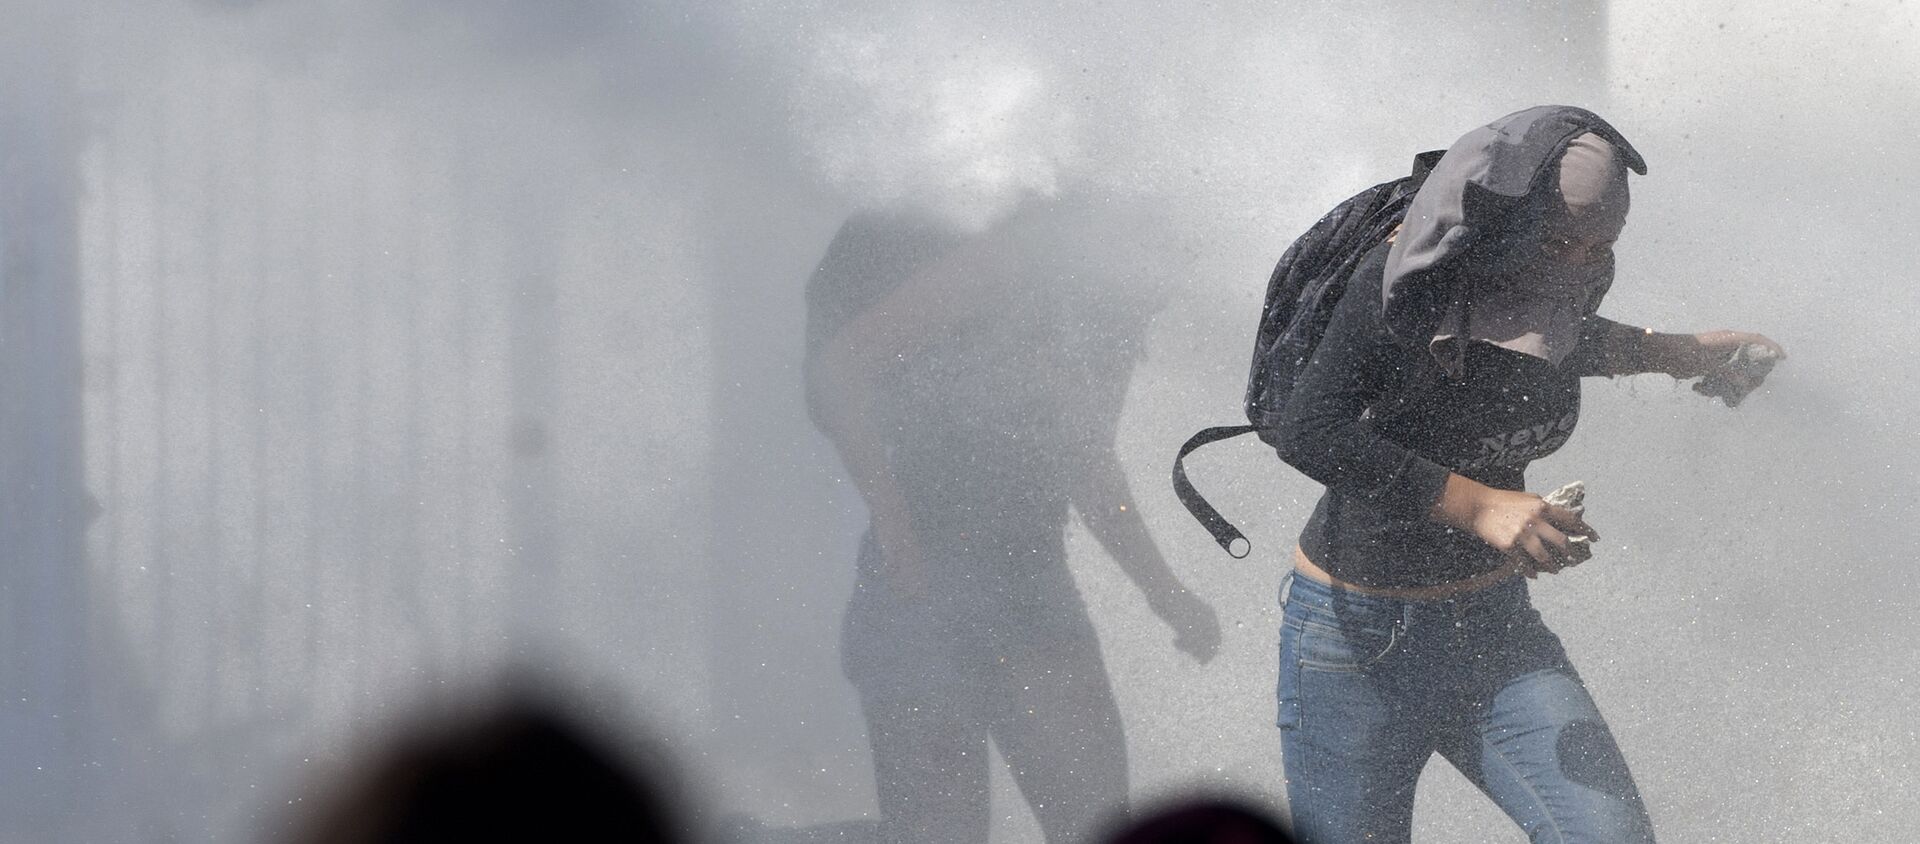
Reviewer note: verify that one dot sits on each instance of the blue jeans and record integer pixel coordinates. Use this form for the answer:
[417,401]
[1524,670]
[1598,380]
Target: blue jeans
[1371,687]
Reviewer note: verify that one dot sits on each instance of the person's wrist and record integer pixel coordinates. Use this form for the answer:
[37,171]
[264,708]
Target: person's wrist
[1460,501]
[1706,356]
[1679,355]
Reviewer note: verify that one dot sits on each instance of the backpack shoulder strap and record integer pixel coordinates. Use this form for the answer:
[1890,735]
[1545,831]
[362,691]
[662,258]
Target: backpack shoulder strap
[1229,538]
[1328,251]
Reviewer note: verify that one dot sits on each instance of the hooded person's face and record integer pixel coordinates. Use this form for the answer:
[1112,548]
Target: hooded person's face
[1567,239]
[1509,240]
[1549,271]
[1587,211]
[1569,243]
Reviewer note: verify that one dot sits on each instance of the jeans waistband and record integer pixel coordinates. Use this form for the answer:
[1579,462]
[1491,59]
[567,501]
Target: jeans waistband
[1501,598]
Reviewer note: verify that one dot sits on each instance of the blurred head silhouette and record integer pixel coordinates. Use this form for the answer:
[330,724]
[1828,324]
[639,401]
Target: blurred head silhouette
[515,769]
[1207,821]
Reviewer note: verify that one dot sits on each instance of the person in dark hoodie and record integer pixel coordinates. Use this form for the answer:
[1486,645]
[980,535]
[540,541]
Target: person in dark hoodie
[1453,359]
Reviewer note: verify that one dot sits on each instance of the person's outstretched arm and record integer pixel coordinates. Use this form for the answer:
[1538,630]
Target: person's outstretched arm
[1612,348]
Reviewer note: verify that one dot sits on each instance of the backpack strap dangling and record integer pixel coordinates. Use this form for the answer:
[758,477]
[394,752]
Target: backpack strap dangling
[1224,533]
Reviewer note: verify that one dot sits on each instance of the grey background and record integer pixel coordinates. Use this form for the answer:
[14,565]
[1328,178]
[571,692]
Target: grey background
[350,351]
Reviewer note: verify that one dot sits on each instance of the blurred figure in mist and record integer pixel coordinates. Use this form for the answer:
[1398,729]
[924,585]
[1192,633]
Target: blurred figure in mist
[516,769]
[972,385]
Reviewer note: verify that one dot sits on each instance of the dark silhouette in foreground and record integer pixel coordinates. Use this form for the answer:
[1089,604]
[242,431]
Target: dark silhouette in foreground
[1210,821]
[517,770]
[1197,821]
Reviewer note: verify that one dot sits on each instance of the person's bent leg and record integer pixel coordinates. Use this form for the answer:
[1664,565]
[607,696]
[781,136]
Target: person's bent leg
[1059,729]
[926,722]
[1352,740]
[930,769]
[1546,757]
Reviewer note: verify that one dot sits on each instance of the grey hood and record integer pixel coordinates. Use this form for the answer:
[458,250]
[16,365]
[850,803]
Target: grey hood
[1469,202]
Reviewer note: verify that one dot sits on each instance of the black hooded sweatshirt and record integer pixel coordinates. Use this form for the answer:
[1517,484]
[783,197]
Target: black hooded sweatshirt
[1376,419]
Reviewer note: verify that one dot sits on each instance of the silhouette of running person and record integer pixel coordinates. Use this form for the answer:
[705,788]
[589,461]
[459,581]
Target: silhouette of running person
[972,385]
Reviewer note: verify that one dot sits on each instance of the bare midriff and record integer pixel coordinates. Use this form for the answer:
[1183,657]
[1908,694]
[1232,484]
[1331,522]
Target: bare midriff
[1436,592]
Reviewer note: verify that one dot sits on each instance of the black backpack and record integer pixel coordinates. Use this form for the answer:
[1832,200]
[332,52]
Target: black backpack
[1301,294]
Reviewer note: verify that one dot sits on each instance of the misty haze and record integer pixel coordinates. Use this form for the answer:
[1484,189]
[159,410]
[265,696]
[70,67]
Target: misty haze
[355,355]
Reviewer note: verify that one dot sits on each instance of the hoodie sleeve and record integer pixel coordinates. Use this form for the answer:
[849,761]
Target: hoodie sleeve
[1607,348]
[1325,430]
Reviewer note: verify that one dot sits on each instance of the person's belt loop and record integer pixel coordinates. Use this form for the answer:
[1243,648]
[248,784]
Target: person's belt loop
[1286,587]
